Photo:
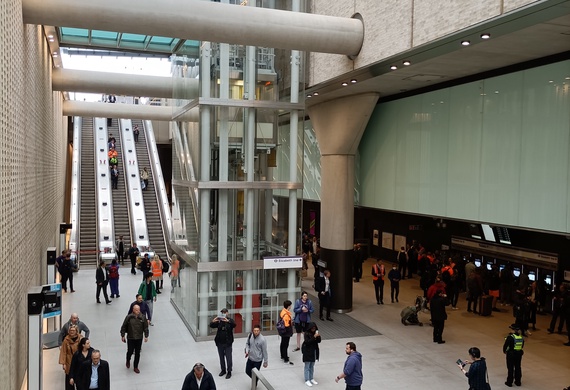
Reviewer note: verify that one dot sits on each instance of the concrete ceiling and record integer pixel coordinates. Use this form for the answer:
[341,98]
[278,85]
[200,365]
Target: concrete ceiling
[531,35]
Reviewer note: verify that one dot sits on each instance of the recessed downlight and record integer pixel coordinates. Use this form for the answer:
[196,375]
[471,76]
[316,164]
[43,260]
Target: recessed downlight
[465,43]
[485,36]
[315,94]
[393,67]
[50,36]
[344,84]
[406,63]
[353,81]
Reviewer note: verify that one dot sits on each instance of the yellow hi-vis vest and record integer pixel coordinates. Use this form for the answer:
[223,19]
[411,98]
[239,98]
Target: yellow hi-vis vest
[518,342]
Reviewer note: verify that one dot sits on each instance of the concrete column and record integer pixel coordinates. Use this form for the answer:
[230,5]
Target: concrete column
[339,125]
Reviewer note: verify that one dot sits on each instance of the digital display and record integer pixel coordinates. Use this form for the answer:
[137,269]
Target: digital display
[501,267]
[548,280]
[517,272]
[477,263]
[488,233]
[532,276]
[489,266]
[474,230]
[503,234]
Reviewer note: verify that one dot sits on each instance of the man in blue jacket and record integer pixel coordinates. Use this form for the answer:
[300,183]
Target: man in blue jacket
[352,371]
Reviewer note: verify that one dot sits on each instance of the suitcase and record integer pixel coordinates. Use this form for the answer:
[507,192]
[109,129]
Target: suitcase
[485,305]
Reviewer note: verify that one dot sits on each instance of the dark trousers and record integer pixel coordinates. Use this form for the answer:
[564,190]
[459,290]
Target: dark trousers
[514,359]
[473,299]
[379,290]
[114,182]
[133,265]
[438,329]
[402,268]
[250,365]
[555,314]
[352,387]
[394,290]
[357,270]
[120,256]
[225,354]
[283,347]
[114,285]
[103,287]
[67,385]
[64,278]
[134,345]
[325,302]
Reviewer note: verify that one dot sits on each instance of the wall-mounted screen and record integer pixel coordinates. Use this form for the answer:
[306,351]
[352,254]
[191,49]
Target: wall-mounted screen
[477,263]
[532,276]
[475,231]
[548,280]
[516,272]
[489,266]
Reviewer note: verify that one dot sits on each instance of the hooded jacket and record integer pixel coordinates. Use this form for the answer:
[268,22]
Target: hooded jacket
[310,347]
[353,369]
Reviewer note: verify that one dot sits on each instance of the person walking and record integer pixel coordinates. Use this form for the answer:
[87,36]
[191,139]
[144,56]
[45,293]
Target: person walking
[174,273]
[148,292]
[224,340]
[80,356]
[402,259]
[513,349]
[120,250]
[323,288]
[114,278]
[65,268]
[135,328]
[68,348]
[477,374]
[378,273]
[199,379]
[310,351]
[73,320]
[255,351]
[352,371]
[143,306]
[145,266]
[438,315]
[302,309]
[133,253]
[287,318]
[95,373]
[394,276]
[156,269]
[102,279]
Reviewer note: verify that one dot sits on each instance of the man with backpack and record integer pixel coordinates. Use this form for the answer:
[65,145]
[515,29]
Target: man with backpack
[255,351]
[114,278]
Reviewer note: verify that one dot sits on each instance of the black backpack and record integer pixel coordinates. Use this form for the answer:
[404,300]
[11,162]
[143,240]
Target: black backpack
[165,266]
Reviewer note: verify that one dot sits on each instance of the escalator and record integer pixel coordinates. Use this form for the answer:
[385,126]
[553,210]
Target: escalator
[87,215]
[153,222]
[120,207]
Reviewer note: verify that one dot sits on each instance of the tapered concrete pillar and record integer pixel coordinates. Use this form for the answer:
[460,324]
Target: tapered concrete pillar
[339,125]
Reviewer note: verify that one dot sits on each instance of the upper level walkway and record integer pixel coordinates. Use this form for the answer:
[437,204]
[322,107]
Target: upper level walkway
[398,358]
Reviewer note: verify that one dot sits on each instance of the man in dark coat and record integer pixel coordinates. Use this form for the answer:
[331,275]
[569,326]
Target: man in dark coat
[438,316]
[224,340]
[323,288]
[133,253]
[102,381]
[199,372]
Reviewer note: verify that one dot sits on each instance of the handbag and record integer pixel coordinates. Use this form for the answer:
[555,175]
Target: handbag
[488,384]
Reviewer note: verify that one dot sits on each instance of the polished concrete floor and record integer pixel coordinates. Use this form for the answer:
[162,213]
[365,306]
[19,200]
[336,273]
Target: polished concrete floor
[398,358]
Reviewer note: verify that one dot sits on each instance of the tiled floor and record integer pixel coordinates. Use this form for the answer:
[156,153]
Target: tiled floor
[400,358]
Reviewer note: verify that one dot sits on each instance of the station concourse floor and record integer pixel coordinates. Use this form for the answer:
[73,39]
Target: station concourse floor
[401,357]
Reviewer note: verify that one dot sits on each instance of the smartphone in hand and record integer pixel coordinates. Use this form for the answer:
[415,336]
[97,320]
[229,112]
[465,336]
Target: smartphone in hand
[460,362]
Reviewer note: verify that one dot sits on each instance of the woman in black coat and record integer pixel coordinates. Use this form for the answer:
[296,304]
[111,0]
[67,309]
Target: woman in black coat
[83,354]
[310,350]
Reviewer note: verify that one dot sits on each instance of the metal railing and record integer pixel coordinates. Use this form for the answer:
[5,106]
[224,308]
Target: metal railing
[255,375]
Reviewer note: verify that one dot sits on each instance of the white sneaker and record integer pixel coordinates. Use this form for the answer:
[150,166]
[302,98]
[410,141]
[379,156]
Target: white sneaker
[308,383]
[314,382]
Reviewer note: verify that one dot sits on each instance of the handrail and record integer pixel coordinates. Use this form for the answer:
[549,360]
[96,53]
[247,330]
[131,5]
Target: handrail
[125,179]
[134,191]
[75,204]
[103,188]
[159,186]
[255,375]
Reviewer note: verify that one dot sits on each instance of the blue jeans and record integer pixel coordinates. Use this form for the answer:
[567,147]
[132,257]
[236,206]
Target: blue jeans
[309,370]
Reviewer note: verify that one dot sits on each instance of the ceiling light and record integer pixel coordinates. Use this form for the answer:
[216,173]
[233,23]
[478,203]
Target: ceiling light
[353,81]
[485,36]
[550,81]
[465,43]
[309,95]
[316,94]
[50,36]
[393,67]
[406,63]
[51,39]
[344,84]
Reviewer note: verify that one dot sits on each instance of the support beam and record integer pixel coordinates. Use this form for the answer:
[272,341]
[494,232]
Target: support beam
[127,111]
[339,125]
[204,21]
[71,80]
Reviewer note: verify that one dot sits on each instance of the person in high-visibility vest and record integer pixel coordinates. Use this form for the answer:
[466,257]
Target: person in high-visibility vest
[156,268]
[513,349]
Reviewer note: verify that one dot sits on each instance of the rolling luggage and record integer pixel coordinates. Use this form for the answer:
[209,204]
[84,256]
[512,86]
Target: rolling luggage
[485,305]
